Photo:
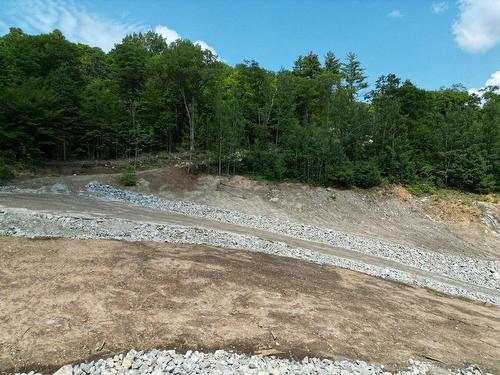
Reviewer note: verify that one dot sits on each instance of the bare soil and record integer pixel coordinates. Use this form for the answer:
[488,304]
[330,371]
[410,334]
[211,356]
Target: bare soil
[73,204]
[391,214]
[60,300]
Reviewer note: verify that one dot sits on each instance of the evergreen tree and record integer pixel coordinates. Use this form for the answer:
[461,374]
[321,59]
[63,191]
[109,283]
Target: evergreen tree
[353,75]
[60,100]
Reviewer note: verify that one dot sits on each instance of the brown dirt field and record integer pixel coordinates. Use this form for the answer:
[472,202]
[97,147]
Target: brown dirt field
[61,299]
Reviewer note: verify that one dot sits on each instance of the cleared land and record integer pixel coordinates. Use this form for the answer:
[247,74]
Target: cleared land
[94,210]
[386,214]
[68,301]
[61,299]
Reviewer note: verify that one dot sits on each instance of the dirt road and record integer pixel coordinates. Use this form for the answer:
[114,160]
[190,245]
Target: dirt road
[62,299]
[75,204]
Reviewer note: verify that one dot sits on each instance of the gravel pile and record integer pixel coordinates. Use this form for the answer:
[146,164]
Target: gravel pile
[32,224]
[474,271]
[156,362]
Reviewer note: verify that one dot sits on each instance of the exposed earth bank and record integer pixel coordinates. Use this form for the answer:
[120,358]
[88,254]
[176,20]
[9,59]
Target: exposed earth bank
[452,225]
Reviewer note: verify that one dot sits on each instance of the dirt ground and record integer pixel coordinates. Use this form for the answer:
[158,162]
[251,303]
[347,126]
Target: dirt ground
[72,204]
[390,214]
[61,300]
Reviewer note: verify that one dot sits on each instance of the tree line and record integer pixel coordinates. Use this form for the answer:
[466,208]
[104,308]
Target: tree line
[316,122]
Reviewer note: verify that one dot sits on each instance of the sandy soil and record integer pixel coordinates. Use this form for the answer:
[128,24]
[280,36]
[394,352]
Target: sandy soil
[62,299]
[388,214]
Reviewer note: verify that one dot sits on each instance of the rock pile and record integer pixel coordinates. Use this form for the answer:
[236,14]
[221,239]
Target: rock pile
[220,362]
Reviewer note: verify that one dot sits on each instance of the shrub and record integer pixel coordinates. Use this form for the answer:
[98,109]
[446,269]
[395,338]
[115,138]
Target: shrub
[268,163]
[420,189]
[342,174]
[129,176]
[5,173]
[367,174]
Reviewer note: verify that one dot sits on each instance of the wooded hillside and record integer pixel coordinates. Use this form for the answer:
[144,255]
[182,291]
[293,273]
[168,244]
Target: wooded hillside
[317,123]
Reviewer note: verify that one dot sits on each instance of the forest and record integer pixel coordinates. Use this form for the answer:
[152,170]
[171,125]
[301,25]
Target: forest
[318,122]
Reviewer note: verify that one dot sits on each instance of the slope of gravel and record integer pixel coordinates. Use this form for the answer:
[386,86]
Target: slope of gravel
[474,271]
[220,362]
[32,224]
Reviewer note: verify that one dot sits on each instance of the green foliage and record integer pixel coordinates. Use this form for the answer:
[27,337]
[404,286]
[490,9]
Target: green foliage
[270,164]
[342,174]
[62,100]
[129,176]
[307,66]
[353,75]
[367,174]
[5,173]
[420,189]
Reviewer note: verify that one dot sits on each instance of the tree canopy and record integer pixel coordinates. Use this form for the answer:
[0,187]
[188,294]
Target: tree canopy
[315,123]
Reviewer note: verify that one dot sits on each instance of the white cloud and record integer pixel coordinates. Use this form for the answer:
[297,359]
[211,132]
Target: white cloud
[494,80]
[205,46]
[395,14]
[172,35]
[169,34]
[439,7]
[474,92]
[80,25]
[478,26]
[75,22]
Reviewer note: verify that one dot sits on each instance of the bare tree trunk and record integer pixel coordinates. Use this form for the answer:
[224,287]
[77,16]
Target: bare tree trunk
[277,130]
[134,126]
[328,110]
[220,156]
[268,117]
[191,129]
[190,115]
[220,146]
[64,147]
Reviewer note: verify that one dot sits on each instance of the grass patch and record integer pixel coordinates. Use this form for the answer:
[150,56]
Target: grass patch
[129,176]
[421,189]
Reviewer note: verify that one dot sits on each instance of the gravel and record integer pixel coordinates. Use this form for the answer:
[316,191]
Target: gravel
[220,362]
[57,188]
[33,224]
[475,271]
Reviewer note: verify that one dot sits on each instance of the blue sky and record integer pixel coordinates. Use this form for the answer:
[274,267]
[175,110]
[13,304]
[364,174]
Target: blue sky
[433,43]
